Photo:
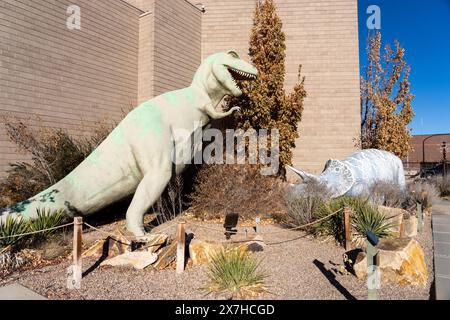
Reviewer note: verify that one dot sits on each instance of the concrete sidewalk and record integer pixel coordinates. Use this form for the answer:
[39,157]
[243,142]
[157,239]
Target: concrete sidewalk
[441,242]
[18,292]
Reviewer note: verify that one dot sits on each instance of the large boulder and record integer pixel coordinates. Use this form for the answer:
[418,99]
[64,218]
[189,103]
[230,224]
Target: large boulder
[202,251]
[395,216]
[137,259]
[401,261]
[409,226]
[118,244]
[360,265]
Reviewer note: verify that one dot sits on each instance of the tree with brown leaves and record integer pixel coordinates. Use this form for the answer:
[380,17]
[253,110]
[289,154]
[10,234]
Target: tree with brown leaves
[386,100]
[264,103]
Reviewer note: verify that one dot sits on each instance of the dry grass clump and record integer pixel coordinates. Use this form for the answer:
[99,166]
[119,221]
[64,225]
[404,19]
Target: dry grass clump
[443,186]
[221,189]
[423,192]
[387,194]
[302,208]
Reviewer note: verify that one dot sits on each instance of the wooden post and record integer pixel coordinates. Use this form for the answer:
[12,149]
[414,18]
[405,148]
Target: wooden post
[181,246]
[348,237]
[419,217]
[257,224]
[75,270]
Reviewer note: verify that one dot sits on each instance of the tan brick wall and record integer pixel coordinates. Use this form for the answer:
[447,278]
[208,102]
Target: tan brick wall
[177,44]
[322,36]
[69,78]
[146,57]
[144,5]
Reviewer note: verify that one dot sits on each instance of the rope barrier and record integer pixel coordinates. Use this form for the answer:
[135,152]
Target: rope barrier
[114,236]
[213,229]
[305,225]
[266,233]
[37,231]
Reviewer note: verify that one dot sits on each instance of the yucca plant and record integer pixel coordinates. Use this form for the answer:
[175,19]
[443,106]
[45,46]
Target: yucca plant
[47,219]
[367,218]
[333,226]
[11,226]
[234,272]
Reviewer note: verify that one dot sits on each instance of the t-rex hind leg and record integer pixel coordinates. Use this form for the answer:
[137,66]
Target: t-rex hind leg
[147,192]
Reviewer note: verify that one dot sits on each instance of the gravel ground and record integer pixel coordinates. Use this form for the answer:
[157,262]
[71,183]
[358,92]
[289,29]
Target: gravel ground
[297,269]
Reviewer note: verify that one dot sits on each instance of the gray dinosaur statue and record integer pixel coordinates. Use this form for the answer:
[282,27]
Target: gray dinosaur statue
[355,175]
[137,156]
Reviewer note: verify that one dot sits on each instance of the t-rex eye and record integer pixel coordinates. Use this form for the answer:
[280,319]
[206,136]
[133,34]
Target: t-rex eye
[233,54]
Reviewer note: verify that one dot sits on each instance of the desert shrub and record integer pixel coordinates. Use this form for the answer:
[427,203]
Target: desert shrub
[301,208]
[10,227]
[221,189]
[387,194]
[235,273]
[443,186]
[364,217]
[368,218]
[54,153]
[423,192]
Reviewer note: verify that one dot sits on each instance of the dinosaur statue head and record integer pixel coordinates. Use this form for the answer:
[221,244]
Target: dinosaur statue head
[218,73]
[336,175]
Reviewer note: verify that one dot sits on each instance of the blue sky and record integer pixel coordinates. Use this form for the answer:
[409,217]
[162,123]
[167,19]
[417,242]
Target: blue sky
[423,29]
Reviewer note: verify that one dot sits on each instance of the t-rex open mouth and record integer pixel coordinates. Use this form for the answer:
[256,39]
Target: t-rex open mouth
[240,75]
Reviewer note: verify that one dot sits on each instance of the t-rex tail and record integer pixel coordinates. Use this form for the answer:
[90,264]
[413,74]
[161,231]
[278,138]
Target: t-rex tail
[49,199]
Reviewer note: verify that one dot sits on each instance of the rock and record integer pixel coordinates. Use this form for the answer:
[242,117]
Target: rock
[360,265]
[166,256]
[156,242]
[108,247]
[251,244]
[201,251]
[138,259]
[410,227]
[395,216]
[401,261]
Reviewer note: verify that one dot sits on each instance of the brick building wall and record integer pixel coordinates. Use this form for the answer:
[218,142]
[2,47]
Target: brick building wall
[146,57]
[433,151]
[169,45]
[128,51]
[322,36]
[177,48]
[68,78]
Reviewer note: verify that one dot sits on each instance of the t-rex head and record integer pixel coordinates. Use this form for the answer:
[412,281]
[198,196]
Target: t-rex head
[218,73]
[336,175]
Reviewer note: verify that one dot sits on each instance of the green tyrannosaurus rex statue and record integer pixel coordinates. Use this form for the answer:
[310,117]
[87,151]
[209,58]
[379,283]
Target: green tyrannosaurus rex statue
[137,156]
